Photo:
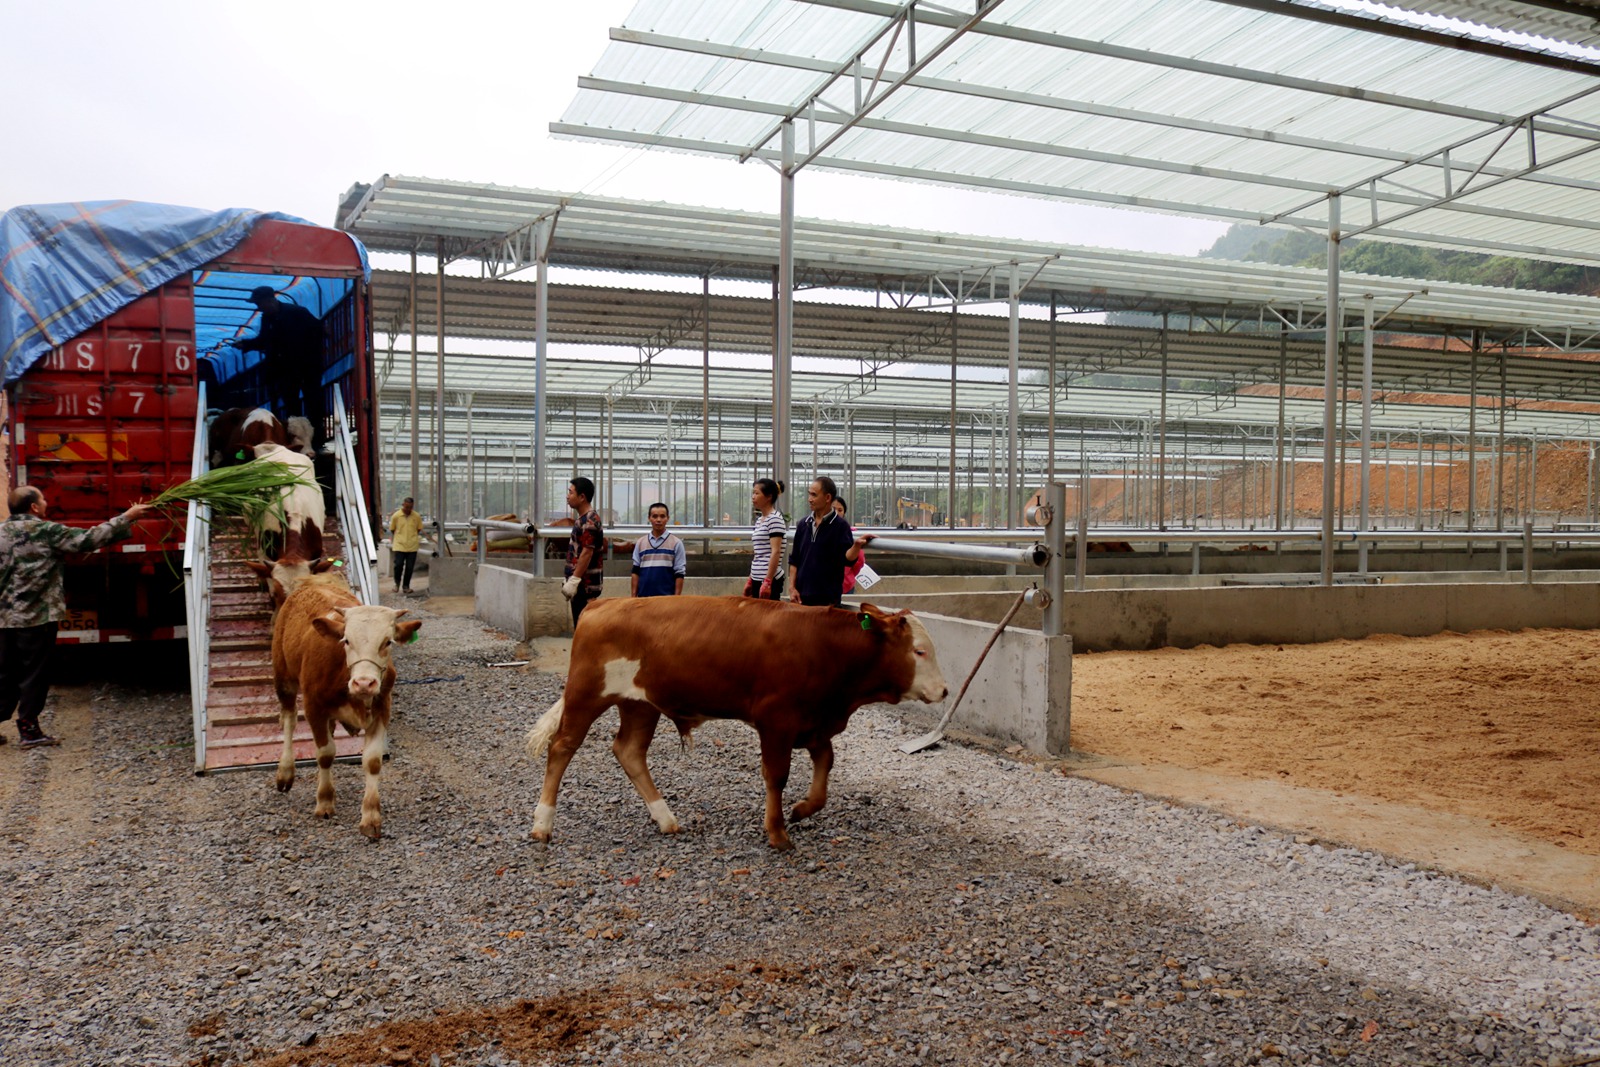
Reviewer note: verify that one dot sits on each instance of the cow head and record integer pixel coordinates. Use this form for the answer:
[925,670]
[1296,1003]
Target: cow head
[367,634]
[905,630]
[287,574]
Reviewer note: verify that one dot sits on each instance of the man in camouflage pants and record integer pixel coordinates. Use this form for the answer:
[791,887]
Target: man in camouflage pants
[33,602]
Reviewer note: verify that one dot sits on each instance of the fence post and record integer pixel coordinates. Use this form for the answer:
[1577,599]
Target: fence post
[1527,552]
[1055,542]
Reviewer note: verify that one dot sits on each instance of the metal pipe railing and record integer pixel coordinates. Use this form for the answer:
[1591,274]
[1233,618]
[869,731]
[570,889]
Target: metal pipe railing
[1568,532]
[1035,555]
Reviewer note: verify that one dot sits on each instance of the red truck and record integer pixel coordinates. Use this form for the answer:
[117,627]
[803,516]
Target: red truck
[111,416]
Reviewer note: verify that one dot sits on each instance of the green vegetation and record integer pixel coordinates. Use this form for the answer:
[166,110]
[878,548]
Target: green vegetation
[250,491]
[1265,244]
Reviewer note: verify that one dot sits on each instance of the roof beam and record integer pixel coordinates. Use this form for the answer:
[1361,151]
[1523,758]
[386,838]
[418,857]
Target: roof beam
[1177,62]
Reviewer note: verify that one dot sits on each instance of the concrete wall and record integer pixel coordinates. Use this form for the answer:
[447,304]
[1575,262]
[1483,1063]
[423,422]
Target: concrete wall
[1107,619]
[1023,691]
[513,600]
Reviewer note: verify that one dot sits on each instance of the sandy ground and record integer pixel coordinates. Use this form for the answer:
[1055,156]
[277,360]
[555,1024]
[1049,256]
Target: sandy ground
[1476,752]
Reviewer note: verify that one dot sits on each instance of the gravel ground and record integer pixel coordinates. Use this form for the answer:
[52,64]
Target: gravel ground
[956,906]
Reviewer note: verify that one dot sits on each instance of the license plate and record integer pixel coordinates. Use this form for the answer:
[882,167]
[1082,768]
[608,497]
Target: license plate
[81,620]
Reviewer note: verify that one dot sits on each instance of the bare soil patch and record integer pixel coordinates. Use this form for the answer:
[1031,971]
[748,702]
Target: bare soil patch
[1496,725]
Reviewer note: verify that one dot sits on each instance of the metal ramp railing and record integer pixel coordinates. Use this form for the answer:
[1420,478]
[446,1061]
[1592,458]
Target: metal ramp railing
[197,589]
[360,549]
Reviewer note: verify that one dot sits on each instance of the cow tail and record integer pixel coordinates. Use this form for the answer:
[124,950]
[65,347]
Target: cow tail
[544,730]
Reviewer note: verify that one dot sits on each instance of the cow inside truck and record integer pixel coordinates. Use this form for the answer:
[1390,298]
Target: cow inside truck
[112,330]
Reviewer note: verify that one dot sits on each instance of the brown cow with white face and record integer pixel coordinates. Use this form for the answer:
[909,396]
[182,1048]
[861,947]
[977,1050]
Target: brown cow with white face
[234,434]
[283,576]
[333,651]
[794,673]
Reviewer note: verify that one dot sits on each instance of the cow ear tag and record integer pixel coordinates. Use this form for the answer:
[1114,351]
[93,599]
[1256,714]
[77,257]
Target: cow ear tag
[866,621]
[415,634]
[338,563]
[239,454]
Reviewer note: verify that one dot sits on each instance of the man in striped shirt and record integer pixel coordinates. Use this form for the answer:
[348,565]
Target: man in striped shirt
[659,562]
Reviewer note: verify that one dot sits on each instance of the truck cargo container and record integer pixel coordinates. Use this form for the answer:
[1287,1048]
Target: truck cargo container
[112,414]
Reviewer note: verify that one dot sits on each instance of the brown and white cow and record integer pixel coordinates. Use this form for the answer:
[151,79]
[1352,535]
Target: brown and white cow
[334,652]
[299,523]
[794,673]
[235,433]
[285,574]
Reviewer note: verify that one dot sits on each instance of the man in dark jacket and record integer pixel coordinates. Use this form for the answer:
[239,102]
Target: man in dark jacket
[291,339]
[33,601]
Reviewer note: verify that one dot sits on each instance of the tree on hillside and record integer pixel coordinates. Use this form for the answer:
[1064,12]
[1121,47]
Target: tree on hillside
[1266,244]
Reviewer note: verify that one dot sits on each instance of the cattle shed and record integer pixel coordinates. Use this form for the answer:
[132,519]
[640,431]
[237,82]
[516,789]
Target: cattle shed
[941,376]
[1157,381]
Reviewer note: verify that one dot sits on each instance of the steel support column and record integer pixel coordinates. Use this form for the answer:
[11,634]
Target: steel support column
[1013,346]
[783,370]
[1366,422]
[440,501]
[416,487]
[541,332]
[706,517]
[1330,412]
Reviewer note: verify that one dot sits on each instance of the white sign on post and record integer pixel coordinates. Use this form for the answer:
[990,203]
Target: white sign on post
[866,577]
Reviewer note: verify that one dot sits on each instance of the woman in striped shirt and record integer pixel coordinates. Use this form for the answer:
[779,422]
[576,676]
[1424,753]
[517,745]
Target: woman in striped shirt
[766,563]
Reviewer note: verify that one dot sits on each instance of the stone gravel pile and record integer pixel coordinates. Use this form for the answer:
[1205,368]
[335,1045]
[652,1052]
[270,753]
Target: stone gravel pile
[954,906]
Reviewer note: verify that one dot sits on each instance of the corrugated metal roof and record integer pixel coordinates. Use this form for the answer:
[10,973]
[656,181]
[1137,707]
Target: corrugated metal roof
[404,213]
[1575,23]
[1250,112]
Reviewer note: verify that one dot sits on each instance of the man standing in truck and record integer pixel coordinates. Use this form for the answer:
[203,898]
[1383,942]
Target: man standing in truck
[33,601]
[291,341]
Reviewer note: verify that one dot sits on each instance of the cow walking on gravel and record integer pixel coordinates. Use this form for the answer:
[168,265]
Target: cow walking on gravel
[333,651]
[794,673]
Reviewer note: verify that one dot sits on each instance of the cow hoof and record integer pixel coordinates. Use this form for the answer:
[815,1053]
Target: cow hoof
[372,832]
[319,813]
[540,838]
[284,784]
[781,844]
[803,810]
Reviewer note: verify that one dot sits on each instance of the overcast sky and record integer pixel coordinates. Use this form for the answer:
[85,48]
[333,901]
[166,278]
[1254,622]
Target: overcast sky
[282,106]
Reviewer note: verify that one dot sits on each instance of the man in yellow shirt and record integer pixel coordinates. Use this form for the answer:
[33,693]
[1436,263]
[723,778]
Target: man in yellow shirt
[406,525]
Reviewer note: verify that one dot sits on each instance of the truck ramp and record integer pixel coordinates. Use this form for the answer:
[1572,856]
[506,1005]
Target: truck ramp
[230,613]
[241,727]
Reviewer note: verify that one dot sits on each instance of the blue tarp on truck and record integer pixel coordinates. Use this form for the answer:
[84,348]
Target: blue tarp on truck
[65,267]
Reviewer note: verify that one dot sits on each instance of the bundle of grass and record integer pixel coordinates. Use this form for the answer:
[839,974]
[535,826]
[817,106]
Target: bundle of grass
[250,491]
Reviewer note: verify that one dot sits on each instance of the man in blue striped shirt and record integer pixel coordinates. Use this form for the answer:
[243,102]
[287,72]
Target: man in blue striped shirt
[659,561]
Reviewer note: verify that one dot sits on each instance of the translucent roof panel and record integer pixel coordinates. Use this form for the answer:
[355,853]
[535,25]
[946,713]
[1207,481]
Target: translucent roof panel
[1231,109]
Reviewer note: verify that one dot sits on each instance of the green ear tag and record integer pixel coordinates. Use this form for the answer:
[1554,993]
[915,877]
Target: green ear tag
[338,563]
[415,634]
[239,454]
[866,621]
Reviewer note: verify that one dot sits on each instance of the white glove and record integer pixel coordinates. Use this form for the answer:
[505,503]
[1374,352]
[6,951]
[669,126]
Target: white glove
[569,588]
